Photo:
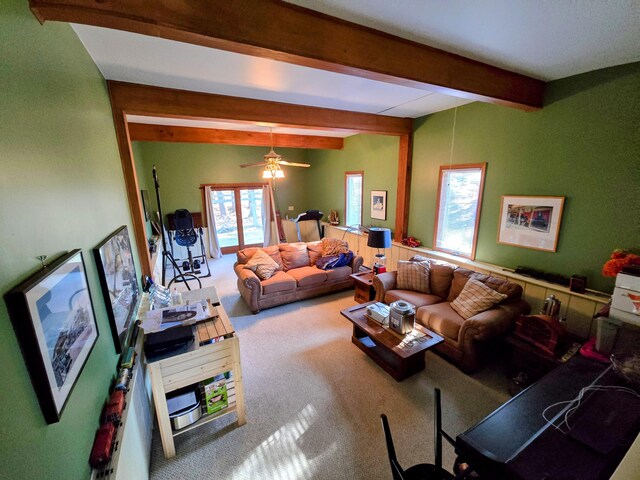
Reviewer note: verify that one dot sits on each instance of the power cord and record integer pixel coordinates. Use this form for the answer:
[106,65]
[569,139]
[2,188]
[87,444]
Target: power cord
[564,426]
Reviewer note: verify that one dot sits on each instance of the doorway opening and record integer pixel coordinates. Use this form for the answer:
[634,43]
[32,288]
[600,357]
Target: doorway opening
[238,215]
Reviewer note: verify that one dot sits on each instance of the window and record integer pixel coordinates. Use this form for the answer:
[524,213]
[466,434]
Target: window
[353,198]
[458,208]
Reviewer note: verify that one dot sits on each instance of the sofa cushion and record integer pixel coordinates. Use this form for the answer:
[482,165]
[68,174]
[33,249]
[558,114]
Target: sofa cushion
[262,264]
[273,251]
[413,276]
[315,252]
[513,291]
[333,246]
[338,274]
[415,298]
[440,276]
[294,255]
[280,282]
[441,318]
[308,276]
[462,275]
[460,278]
[476,297]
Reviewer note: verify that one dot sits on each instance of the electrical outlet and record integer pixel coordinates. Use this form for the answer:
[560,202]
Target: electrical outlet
[291,208]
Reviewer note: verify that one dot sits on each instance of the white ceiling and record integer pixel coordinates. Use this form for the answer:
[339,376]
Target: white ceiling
[544,39]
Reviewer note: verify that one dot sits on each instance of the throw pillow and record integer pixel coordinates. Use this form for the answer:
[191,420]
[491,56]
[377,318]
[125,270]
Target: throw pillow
[294,255]
[476,297]
[262,264]
[413,276]
[333,246]
[315,252]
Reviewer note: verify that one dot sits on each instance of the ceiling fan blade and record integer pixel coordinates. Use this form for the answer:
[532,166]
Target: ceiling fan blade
[261,164]
[291,164]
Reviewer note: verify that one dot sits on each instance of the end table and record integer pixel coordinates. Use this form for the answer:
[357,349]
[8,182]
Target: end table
[365,291]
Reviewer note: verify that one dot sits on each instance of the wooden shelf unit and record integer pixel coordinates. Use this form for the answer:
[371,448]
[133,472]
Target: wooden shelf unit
[200,363]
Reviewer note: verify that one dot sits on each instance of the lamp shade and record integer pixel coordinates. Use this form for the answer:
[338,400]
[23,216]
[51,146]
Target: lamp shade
[379,238]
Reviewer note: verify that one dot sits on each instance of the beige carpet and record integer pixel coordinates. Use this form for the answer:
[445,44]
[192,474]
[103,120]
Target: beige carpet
[314,400]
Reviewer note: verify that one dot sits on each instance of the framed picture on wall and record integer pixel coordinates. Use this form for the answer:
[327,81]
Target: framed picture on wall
[145,204]
[530,222]
[55,323]
[119,283]
[379,204]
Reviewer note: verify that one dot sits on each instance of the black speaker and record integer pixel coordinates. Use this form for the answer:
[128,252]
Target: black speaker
[578,283]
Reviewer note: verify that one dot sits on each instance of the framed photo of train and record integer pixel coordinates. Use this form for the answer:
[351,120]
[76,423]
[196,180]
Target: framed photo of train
[119,282]
[54,320]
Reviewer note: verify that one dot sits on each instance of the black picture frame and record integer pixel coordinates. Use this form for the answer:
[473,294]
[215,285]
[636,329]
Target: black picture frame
[54,320]
[119,283]
[144,194]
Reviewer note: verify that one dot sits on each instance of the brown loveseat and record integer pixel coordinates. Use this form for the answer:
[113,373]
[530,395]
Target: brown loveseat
[465,341]
[297,277]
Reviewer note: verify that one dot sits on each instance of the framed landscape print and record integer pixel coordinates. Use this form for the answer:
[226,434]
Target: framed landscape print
[54,321]
[119,283]
[379,204]
[530,222]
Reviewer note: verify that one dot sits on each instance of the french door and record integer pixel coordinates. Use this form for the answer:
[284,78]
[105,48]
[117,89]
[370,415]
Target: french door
[238,216]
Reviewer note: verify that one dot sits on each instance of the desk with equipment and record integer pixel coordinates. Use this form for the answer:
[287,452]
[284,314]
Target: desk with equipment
[578,422]
[209,363]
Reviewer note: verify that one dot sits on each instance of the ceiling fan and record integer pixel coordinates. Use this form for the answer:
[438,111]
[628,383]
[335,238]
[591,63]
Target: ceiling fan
[272,162]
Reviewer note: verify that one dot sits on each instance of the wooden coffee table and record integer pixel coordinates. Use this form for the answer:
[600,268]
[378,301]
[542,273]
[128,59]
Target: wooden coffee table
[386,347]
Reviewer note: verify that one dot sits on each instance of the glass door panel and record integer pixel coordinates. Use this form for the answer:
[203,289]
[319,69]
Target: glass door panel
[224,209]
[251,208]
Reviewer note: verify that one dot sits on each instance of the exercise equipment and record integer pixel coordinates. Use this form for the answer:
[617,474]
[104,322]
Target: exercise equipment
[167,255]
[309,215]
[186,235]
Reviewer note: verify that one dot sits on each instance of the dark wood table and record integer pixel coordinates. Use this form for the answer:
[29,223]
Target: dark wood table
[364,290]
[384,346]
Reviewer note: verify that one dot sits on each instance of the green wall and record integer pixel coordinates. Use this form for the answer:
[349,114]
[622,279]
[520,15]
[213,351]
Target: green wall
[376,155]
[583,145]
[61,188]
[183,167]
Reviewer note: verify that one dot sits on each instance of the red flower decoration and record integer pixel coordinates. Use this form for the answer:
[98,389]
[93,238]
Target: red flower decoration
[619,259]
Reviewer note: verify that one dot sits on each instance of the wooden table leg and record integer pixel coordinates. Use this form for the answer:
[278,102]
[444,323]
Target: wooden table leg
[239,386]
[162,412]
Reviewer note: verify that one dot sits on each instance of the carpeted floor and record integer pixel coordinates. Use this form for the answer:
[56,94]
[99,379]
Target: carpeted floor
[314,400]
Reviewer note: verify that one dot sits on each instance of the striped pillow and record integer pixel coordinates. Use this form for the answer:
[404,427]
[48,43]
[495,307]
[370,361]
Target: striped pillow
[476,297]
[413,276]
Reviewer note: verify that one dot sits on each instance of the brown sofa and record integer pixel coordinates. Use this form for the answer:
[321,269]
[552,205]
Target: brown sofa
[465,341]
[295,280]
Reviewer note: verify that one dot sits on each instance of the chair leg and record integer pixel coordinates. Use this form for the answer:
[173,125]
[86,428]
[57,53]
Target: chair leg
[396,470]
[437,420]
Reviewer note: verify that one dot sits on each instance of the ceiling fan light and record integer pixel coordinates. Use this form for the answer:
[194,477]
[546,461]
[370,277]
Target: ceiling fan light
[279,174]
[266,174]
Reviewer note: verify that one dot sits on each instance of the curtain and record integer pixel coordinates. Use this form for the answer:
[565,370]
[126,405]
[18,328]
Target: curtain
[267,209]
[214,245]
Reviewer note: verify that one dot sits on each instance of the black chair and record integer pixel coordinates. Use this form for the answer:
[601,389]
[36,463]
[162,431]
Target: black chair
[423,471]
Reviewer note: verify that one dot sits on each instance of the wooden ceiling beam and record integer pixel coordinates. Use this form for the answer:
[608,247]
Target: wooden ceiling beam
[169,133]
[288,33]
[135,99]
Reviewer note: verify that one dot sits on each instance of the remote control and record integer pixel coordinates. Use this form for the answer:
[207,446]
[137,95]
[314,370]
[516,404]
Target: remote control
[571,352]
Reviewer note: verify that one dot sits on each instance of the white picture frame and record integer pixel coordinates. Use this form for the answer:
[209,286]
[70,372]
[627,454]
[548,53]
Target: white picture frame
[379,204]
[530,221]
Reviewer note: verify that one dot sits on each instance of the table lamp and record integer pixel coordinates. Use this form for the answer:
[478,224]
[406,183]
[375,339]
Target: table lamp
[379,238]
